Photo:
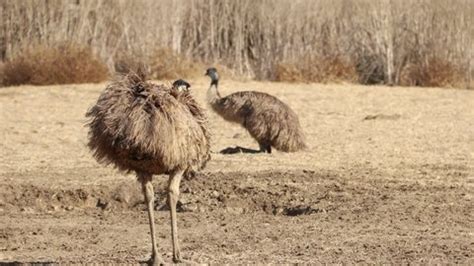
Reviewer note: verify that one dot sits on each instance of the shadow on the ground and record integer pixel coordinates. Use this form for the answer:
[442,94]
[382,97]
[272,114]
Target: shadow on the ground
[238,149]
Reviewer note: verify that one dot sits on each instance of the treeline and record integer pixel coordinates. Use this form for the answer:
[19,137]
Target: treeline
[409,42]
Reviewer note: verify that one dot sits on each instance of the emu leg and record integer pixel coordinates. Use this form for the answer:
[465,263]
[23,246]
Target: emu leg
[265,148]
[173,194]
[147,188]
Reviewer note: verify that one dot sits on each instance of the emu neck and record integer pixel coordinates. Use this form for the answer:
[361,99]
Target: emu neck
[213,93]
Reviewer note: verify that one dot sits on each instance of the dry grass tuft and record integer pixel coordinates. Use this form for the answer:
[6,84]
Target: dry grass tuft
[62,64]
[432,72]
[321,69]
[371,69]
[165,64]
[129,63]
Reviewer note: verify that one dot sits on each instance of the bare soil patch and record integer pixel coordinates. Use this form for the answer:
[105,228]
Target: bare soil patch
[372,188]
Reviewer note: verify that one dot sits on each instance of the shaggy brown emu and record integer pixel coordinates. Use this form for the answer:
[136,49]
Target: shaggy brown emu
[150,129]
[268,120]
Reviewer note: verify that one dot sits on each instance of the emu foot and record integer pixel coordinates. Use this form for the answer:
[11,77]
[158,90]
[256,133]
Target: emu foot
[155,260]
[190,174]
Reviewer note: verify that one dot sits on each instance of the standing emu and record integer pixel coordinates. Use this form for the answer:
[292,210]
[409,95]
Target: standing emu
[150,129]
[269,121]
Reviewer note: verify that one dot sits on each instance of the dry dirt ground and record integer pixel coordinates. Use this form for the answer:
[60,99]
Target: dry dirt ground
[388,178]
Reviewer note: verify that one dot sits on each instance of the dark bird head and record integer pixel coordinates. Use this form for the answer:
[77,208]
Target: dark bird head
[181,85]
[212,73]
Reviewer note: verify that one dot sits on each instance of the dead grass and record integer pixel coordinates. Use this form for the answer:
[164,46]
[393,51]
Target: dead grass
[323,70]
[371,69]
[61,64]
[168,65]
[433,72]
[249,36]
[165,64]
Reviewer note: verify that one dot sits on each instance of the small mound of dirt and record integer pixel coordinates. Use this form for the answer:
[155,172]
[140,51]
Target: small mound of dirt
[382,117]
[270,192]
[276,193]
[292,193]
[30,198]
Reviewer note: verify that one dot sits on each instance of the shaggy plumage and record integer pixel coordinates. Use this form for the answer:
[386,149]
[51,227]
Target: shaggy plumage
[269,121]
[150,129]
[143,127]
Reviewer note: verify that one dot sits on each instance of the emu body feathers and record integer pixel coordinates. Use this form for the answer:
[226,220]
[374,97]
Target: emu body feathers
[269,121]
[149,128]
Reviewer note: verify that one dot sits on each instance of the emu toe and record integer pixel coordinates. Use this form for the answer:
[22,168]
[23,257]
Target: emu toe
[156,260]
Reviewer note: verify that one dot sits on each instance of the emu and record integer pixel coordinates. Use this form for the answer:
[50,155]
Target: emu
[269,121]
[150,129]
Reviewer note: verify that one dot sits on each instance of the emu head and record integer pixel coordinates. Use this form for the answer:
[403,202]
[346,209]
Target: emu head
[212,73]
[181,85]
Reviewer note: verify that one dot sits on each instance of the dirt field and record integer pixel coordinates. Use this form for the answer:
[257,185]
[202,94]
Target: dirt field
[388,178]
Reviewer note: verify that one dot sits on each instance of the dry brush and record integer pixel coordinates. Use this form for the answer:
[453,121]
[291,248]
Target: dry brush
[382,41]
